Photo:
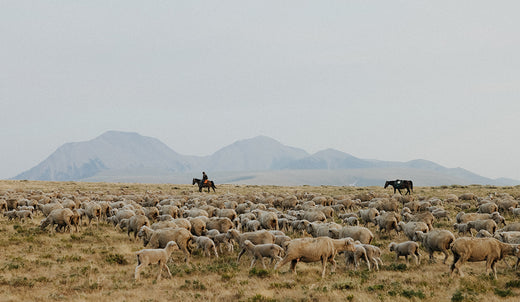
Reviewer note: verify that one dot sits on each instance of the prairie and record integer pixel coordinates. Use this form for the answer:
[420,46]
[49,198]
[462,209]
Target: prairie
[97,263]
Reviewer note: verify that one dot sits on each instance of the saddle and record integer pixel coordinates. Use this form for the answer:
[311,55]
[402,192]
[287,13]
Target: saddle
[206,181]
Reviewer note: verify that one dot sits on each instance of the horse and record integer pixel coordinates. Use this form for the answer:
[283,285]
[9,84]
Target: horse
[209,184]
[400,184]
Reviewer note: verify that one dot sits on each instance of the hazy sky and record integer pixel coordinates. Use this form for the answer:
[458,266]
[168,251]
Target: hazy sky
[390,80]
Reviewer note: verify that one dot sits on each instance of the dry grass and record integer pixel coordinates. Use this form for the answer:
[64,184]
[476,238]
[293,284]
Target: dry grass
[97,264]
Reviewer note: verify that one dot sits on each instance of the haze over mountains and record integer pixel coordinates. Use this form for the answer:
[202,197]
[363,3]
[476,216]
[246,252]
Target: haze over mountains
[129,157]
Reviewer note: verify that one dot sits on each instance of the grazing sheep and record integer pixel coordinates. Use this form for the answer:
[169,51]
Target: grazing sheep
[362,234]
[488,207]
[222,224]
[425,217]
[436,241]
[135,223]
[467,217]
[206,244]
[439,213]
[181,236]
[407,248]
[368,215]
[486,224]
[152,213]
[145,233]
[480,249]
[258,237]
[152,256]
[260,251]
[60,217]
[386,221]
[314,249]
[411,227]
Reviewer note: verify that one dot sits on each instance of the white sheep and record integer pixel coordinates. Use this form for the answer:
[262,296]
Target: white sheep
[151,256]
[260,251]
[206,244]
[407,248]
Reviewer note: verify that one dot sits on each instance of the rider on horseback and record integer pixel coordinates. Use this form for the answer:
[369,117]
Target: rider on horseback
[204,178]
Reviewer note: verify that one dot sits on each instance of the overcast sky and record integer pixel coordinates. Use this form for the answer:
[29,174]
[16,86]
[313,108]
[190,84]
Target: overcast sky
[389,80]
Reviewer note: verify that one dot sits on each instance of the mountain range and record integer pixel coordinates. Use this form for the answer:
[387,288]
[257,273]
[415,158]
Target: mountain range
[130,157]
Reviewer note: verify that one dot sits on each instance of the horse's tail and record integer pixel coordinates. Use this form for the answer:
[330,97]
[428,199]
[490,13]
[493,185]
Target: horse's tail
[411,186]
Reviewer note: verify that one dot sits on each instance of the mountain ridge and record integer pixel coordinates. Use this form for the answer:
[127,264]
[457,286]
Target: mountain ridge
[128,156]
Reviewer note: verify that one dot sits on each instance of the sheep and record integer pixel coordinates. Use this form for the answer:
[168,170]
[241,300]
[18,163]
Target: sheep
[252,225]
[479,249]
[386,221]
[282,240]
[10,214]
[488,207]
[512,237]
[436,240]
[198,225]
[373,255]
[222,240]
[93,210]
[260,251]
[466,217]
[483,234]
[356,255]
[152,256]
[314,249]
[515,226]
[3,205]
[362,234]
[163,225]
[183,223]
[206,244]
[268,220]
[411,227]
[181,236]
[222,224]
[352,221]
[321,229]
[406,249]
[312,216]
[368,215]
[425,217]
[439,213]
[515,211]
[60,217]
[461,228]
[145,233]
[229,213]
[46,209]
[135,223]
[258,237]
[486,224]
[151,212]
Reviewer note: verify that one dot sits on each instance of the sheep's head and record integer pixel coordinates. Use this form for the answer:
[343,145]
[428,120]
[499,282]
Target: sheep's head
[391,246]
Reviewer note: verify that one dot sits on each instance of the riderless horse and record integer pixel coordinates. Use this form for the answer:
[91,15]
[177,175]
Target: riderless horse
[400,184]
[209,184]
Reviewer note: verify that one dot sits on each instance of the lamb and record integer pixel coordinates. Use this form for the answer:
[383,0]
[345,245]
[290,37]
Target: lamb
[439,213]
[406,249]
[480,249]
[222,240]
[411,227]
[314,249]
[436,240]
[206,244]
[258,237]
[462,228]
[60,217]
[486,224]
[252,225]
[151,256]
[356,255]
[373,255]
[181,236]
[260,251]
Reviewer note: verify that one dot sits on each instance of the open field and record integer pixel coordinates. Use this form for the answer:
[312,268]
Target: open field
[97,263]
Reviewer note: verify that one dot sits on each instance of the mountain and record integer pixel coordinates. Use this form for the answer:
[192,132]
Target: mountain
[129,157]
[111,151]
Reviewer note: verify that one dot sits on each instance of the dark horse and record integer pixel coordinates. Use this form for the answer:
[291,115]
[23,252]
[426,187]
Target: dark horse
[209,184]
[400,184]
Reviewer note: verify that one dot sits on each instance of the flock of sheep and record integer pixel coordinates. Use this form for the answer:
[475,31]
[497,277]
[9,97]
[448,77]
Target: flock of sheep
[321,227]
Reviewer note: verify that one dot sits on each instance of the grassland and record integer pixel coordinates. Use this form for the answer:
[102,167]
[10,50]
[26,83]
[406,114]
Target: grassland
[97,263]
